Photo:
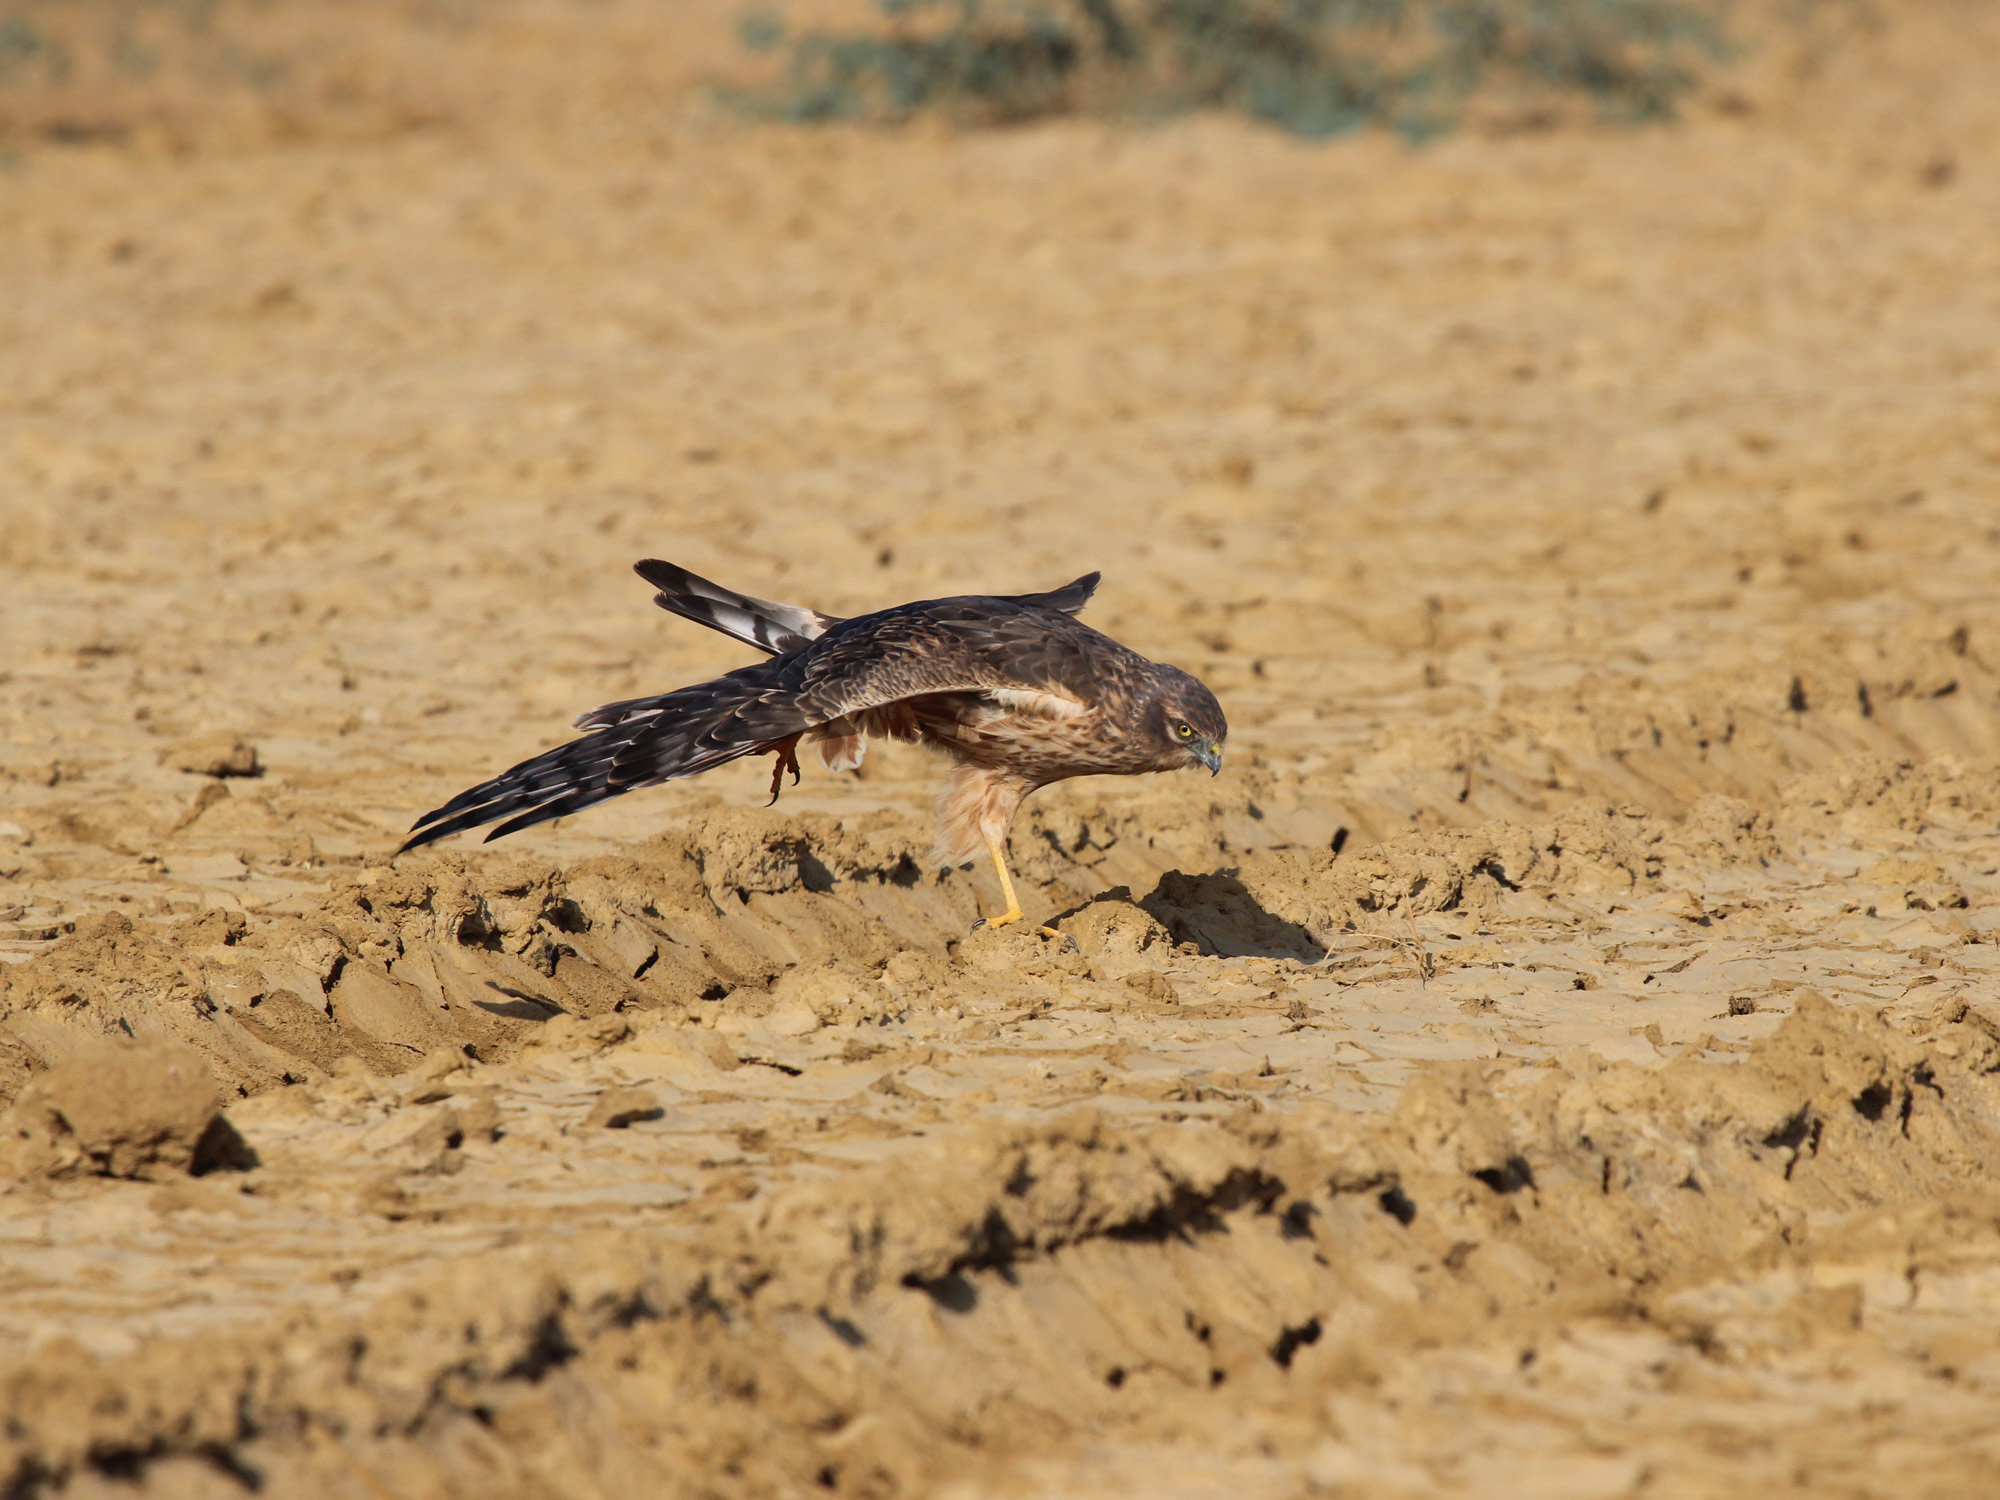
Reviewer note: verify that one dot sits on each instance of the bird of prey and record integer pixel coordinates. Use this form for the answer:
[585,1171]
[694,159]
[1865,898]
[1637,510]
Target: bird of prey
[1013,689]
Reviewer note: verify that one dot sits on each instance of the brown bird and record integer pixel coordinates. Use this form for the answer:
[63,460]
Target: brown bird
[1013,689]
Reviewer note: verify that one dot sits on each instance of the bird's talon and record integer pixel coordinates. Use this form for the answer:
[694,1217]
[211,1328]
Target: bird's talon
[1068,941]
[788,760]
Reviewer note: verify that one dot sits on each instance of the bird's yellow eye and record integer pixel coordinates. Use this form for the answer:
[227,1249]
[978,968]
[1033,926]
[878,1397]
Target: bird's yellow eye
[1183,731]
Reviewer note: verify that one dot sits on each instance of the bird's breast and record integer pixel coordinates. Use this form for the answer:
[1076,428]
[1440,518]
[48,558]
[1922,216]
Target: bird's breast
[1040,747]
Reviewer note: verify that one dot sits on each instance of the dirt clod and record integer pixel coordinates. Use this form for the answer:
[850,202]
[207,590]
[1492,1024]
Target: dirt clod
[122,1109]
[616,1109]
[217,755]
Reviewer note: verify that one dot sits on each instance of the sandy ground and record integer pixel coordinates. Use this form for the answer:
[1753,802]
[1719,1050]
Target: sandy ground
[1555,1059]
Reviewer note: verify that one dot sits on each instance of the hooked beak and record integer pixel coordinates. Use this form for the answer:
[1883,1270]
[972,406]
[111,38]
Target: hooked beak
[1211,757]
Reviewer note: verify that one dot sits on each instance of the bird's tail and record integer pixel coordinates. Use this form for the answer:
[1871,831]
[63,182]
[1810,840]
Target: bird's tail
[769,626]
[640,742]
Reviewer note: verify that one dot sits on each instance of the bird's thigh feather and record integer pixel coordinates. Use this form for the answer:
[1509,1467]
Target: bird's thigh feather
[840,751]
[978,804]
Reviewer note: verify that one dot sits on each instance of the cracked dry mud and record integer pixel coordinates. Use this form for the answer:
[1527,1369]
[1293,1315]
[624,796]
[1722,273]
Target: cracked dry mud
[1557,1058]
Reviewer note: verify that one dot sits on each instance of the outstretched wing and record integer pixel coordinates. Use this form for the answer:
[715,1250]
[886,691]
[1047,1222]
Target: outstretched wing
[664,738]
[769,626]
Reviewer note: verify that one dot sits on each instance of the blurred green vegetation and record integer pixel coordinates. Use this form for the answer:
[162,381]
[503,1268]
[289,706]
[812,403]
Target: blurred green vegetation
[20,42]
[56,40]
[1311,67]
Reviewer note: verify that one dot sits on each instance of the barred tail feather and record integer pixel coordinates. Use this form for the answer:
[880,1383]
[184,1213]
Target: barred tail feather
[763,623]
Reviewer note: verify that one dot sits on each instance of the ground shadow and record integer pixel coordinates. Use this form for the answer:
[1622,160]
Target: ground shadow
[1217,913]
[222,1149]
[521,1007]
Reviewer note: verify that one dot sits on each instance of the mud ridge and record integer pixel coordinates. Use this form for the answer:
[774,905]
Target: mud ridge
[1052,1277]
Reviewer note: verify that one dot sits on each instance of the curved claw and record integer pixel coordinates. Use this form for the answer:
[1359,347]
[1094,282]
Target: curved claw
[787,752]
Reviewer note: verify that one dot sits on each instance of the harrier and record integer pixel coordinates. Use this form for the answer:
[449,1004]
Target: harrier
[1013,689]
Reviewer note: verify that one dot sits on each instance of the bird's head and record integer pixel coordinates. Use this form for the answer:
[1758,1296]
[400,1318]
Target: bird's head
[1186,722]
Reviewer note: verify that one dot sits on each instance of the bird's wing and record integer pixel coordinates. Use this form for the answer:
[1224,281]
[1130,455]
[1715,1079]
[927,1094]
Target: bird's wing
[993,647]
[1070,598]
[769,626]
[650,740]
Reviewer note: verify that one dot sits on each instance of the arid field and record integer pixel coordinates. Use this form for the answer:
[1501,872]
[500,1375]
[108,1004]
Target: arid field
[1558,1058]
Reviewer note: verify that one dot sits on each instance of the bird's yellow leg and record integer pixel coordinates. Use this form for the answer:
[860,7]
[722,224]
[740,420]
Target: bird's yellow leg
[1013,911]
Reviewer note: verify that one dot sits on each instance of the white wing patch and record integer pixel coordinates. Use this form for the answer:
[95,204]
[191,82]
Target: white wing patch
[1035,701]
